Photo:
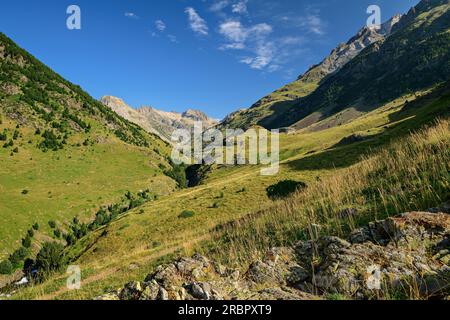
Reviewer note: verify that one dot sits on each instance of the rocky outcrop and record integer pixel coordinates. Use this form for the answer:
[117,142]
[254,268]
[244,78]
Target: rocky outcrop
[403,257]
[345,52]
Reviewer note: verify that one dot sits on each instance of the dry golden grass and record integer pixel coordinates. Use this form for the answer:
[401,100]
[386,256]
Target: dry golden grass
[410,174]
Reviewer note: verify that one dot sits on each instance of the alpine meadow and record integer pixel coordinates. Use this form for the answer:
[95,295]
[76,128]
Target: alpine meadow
[95,206]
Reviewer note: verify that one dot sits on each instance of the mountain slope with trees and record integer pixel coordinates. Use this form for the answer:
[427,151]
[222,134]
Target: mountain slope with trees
[64,154]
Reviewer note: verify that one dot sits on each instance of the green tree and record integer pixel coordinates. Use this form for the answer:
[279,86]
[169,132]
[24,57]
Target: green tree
[26,242]
[18,256]
[49,259]
[6,267]
[57,233]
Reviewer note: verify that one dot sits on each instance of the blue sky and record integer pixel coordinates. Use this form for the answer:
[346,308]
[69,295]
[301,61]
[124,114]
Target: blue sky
[212,55]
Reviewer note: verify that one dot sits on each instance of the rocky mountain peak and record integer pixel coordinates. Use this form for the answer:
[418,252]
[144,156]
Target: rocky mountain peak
[156,121]
[195,115]
[345,52]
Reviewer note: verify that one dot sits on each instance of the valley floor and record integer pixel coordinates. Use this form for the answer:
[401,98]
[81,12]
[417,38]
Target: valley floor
[228,207]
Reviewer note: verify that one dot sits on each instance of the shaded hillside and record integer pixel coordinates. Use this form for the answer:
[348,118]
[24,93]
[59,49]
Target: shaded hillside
[415,57]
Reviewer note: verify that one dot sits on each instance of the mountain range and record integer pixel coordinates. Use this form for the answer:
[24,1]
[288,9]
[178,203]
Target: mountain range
[406,54]
[91,183]
[156,121]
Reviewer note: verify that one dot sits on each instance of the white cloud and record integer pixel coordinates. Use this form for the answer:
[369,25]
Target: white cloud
[265,52]
[172,38]
[292,40]
[310,22]
[197,23]
[233,31]
[160,25]
[233,46]
[251,38]
[262,49]
[314,24]
[131,15]
[240,7]
[219,5]
[237,34]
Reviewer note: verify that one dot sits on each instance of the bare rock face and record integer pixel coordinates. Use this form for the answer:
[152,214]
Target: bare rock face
[345,52]
[405,256]
[156,121]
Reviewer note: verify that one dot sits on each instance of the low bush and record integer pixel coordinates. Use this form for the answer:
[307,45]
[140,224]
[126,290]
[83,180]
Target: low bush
[284,188]
[186,214]
[6,267]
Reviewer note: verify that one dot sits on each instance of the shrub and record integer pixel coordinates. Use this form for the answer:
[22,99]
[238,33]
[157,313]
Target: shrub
[4,135]
[25,192]
[30,233]
[18,256]
[26,242]
[52,224]
[50,142]
[284,188]
[49,259]
[216,205]
[6,267]
[186,214]
[178,173]
[36,226]
[70,239]
[57,233]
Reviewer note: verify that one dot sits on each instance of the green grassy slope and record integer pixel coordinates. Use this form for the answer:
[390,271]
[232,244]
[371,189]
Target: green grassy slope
[63,154]
[130,247]
[415,57]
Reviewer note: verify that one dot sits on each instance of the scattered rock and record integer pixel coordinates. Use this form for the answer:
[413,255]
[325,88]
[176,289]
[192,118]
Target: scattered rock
[131,291]
[403,254]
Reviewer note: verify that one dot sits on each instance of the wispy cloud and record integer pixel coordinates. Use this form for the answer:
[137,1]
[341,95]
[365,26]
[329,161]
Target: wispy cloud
[172,38]
[261,48]
[264,56]
[160,25]
[131,15]
[310,22]
[314,24]
[237,34]
[218,6]
[197,23]
[251,38]
[240,7]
